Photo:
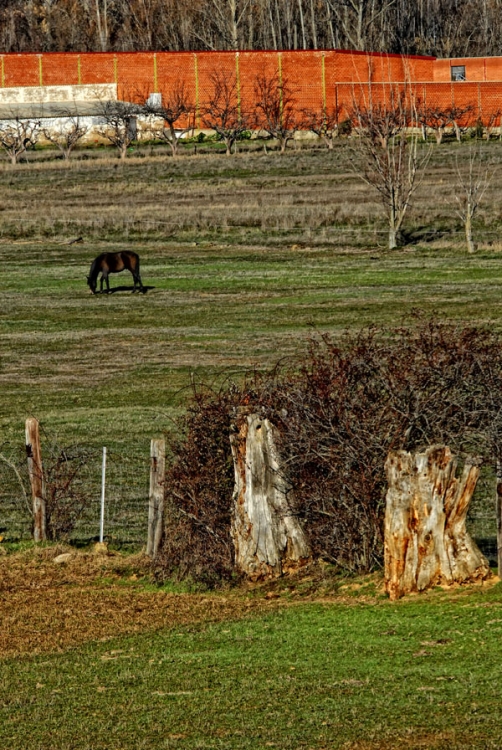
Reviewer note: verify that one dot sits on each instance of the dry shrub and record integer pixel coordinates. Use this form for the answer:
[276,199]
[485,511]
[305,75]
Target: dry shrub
[199,486]
[339,411]
[67,493]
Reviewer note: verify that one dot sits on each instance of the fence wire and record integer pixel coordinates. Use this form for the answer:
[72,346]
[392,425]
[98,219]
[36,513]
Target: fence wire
[126,498]
[73,478]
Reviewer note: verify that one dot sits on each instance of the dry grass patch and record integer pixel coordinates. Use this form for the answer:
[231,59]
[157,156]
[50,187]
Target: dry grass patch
[48,606]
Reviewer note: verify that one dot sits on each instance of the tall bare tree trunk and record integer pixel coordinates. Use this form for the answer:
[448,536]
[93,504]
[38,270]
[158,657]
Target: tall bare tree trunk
[302,23]
[471,247]
[267,535]
[426,541]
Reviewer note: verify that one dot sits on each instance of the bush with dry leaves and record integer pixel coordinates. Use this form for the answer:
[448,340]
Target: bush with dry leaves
[339,410]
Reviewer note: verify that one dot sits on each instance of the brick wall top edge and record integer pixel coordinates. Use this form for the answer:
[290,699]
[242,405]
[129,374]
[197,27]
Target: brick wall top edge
[462,59]
[225,52]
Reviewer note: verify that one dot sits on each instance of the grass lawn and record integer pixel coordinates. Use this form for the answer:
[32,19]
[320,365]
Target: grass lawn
[352,672]
[244,258]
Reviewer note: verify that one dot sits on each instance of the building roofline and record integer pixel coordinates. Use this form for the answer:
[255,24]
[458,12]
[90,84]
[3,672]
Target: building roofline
[228,52]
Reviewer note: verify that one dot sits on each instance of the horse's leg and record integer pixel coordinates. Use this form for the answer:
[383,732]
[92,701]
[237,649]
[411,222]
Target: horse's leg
[137,280]
[137,277]
[133,273]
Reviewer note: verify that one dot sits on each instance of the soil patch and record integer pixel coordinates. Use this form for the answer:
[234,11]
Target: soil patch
[52,606]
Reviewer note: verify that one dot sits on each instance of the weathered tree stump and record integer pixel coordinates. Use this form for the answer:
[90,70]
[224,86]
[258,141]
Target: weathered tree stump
[267,535]
[426,542]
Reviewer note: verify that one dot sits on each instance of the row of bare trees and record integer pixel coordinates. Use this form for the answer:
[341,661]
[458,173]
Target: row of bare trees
[439,27]
[387,151]
[389,157]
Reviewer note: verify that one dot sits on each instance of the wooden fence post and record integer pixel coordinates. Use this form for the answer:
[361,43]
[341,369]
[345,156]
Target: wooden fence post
[498,500]
[35,469]
[156,497]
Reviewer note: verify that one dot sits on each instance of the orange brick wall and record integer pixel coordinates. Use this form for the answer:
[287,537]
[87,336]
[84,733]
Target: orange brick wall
[477,69]
[330,76]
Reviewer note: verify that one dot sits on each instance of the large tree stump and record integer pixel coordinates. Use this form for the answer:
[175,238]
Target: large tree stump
[267,535]
[426,542]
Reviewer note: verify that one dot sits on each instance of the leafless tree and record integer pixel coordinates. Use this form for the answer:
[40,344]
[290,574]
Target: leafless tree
[119,124]
[444,28]
[276,110]
[387,155]
[461,119]
[437,117]
[470,188]
[491,119]
[65,132]
[176,111]
[324,122]
[17,135]
[222,112]
[433,117]
[226,17]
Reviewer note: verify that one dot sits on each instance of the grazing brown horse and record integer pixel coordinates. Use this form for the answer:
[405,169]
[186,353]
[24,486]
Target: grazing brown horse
[107,263]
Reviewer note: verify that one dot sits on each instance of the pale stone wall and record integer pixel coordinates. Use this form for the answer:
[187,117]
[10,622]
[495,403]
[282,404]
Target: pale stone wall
[60,94]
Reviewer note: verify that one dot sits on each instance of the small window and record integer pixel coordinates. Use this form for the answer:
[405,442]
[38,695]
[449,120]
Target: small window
[458,72]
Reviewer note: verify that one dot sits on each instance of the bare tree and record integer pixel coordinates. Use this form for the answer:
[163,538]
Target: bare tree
[323,122]
[226,18]
[433,117]
[119,125]
[444,28]
[461,119]
[470,188]
[102,23]
[65,132]
[387,155]
[491,122]
[17,135]
[176,110]
[438,117]
[222,112]
[276,110]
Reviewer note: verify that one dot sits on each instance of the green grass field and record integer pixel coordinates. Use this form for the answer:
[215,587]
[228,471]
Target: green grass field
[422,673]
[244,258]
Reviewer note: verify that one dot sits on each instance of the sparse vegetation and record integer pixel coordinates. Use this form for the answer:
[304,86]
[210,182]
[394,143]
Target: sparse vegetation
[136,668]
[243,257]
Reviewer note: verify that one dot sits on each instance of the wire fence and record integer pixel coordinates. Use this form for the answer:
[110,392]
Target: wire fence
[73,479]
[127,498]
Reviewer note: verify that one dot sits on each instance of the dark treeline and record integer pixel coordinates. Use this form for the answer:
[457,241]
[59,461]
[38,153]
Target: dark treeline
[444,28]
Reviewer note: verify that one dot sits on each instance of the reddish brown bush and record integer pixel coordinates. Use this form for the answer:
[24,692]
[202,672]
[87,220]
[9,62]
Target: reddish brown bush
[339,411]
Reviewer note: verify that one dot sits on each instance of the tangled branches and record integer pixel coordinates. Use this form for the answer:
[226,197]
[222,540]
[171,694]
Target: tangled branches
[339,411]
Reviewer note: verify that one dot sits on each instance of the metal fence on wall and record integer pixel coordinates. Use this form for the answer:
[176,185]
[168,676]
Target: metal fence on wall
[319,78]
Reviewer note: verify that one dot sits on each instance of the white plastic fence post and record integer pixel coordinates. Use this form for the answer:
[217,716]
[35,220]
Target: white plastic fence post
[103,486]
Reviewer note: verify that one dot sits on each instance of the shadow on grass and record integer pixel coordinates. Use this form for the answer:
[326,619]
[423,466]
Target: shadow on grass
[116,289]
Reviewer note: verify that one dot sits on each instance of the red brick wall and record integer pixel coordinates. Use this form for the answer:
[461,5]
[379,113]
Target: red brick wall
[316,76]
[477,69]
